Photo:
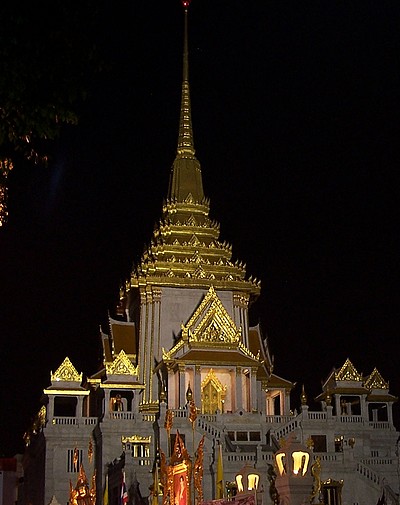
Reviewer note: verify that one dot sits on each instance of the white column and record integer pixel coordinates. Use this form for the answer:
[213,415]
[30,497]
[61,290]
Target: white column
[239,395]
[182,388]
[253,390]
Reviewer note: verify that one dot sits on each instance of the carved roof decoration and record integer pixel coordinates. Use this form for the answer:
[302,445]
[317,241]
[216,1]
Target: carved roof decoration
[211,336]
[135,439]
[211,323]
[348,373]
[375,381]
[121,365]
[66,372]
[185,236]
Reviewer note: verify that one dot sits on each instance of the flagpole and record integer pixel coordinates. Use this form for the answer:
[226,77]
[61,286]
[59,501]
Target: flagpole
[192,419]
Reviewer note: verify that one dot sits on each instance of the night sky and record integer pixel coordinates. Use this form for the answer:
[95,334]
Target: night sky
[295,113]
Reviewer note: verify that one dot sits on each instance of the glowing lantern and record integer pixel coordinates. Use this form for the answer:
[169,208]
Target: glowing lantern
[293,460]
[247,480]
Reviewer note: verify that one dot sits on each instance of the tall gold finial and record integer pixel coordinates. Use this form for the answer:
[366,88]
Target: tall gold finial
[185,140]
[303,396]
[186,183]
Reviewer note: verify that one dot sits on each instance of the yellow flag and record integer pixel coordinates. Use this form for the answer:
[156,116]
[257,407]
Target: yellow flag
[105,498]
[220,475]
[156,486]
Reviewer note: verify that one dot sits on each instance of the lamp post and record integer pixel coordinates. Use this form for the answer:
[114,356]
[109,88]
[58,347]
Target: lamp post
[247,482]
[294,480]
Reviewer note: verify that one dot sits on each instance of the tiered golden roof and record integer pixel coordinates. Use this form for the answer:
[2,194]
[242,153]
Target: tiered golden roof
[185,250]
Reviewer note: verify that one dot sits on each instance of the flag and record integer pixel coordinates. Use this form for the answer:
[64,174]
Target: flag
[105,497]
[220,475]
[156,486]
[124,492]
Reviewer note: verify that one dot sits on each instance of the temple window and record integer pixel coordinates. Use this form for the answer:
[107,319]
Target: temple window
[241,436]
[121,401]
[74,460]
[65,406]
[319,443]
[377,412]
[350,406]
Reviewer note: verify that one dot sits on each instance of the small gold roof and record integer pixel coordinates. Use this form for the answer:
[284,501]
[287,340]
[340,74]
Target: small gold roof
[121,365]
[275,381]
[66,372]
[124,337]
[348,373]
[375,381]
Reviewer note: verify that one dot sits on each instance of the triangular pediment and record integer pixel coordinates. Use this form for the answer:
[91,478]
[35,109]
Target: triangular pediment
[66,372]
[121,365]
[211,323]
[348,373]
[376,381]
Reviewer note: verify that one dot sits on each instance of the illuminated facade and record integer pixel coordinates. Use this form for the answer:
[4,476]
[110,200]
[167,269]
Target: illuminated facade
[180,359]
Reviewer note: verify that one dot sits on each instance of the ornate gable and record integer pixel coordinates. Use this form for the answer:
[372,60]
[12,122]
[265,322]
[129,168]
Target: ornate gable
[66,372]
[348,373]
[375,381]
[121,365]
[211,323]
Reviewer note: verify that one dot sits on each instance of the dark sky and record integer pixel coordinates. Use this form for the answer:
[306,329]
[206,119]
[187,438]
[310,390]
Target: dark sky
[295,111]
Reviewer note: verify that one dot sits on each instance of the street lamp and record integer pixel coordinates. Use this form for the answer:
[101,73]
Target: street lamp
[293,481]
[247,480]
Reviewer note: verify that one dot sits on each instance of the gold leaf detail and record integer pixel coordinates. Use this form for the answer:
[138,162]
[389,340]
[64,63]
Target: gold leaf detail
[66,372]
[121,365]
[375,381]
[348,373]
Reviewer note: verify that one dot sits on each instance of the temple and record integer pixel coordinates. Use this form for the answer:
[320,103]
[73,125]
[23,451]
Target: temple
[188,394]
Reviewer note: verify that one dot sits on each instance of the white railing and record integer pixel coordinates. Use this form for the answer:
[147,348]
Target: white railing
[329,456]
[267,456]
[66,421]
[377,461]
[180,413]
[90,421]
[73,421]
[379,425]
[368,473]
[285,430]
[278,419]
[206,426]
[351,419]
[122,415]
[317,416]
[233,457]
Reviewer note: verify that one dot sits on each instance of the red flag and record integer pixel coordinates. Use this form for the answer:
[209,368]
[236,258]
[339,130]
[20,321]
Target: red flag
[124,492]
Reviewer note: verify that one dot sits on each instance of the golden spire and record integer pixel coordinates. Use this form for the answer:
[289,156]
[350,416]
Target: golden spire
[185,250]
[186,178]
